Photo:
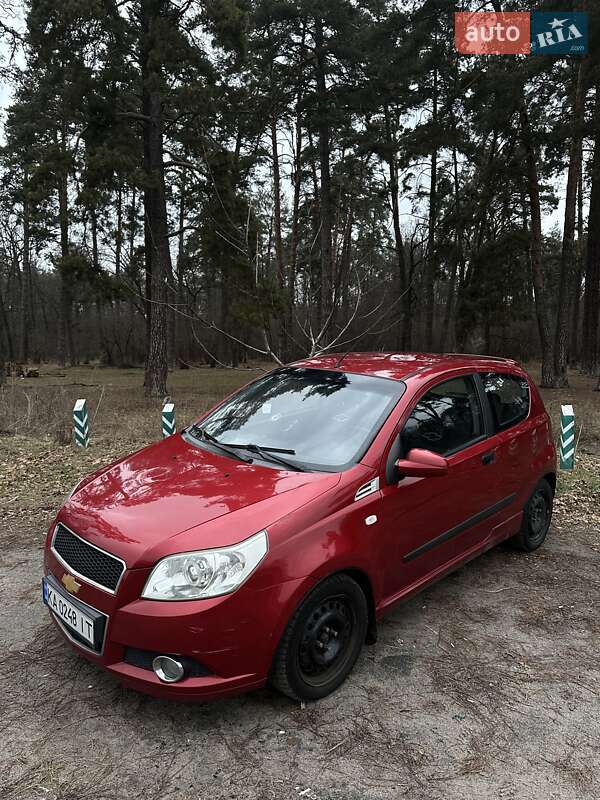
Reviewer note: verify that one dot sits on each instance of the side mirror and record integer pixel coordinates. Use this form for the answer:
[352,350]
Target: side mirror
[422,464]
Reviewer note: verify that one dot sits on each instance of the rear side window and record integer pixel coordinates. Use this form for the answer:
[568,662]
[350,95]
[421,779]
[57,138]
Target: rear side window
[508,396]
[446,419]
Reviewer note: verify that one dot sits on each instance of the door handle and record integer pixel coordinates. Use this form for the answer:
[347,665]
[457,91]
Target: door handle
[488,458]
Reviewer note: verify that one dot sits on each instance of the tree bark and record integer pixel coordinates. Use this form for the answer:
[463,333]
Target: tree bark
[7,333]
[447,336]
[574,350]
[279,257]
[105,345]
[25,285]
[279,261]
[155,206]
[429,293]
[540,288]
[400,272]
[130,270]
[568,255]
[590,360]
[323,128]
[119,232]
[292,267]
[179,319]
[66,348]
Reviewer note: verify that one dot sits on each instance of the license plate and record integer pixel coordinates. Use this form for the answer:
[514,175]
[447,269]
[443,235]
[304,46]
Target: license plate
[70,615]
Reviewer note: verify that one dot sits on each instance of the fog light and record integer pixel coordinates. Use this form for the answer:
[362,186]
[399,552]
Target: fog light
[168,669]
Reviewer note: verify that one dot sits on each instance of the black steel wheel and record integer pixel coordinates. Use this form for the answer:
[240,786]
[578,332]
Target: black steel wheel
[537,516]
[322,640]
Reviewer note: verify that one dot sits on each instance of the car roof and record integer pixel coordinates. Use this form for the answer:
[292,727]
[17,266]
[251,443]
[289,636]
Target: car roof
[399,366]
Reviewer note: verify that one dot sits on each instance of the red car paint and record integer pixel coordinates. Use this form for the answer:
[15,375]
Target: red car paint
[173,497]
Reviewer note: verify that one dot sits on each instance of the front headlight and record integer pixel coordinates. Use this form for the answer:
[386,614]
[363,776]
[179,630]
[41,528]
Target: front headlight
[206,573]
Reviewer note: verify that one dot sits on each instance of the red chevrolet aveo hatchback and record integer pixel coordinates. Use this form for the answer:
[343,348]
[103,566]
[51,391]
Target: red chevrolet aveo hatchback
[263,543]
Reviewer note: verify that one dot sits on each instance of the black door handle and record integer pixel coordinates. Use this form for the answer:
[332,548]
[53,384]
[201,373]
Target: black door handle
[488,458]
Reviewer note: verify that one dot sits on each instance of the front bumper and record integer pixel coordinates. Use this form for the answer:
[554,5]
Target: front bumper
[233,637]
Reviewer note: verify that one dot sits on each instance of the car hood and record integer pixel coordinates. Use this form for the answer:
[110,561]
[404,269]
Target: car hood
[159,500]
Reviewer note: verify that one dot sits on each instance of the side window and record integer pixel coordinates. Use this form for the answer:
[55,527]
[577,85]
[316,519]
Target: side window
[445,419]
[508,396]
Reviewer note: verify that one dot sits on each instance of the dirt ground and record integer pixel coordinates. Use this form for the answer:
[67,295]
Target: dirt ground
[486,685]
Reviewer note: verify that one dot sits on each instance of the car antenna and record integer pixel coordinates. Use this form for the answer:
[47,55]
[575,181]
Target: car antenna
[341,358]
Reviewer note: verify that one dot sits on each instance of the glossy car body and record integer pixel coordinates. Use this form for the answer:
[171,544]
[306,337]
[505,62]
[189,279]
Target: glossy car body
[393,534]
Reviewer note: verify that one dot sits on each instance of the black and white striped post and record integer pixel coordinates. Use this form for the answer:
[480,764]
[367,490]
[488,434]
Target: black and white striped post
[81,427]
[168,420]
[567,437]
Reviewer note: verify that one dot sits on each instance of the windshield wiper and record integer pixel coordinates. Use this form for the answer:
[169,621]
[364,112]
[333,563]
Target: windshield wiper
[270,454]
[196,429]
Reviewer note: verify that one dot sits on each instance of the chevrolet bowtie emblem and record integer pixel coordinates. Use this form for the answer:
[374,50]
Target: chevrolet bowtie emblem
[70,583]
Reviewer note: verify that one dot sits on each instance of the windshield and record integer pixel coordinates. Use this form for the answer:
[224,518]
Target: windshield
[320,419]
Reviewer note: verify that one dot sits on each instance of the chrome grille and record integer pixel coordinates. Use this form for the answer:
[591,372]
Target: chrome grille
[86,560]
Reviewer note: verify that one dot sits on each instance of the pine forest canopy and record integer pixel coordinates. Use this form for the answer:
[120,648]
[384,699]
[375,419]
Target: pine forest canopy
[207,182]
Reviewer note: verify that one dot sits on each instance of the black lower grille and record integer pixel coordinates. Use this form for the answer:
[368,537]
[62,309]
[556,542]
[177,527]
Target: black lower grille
[86,560]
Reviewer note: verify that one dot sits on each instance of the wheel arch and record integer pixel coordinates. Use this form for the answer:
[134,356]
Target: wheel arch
[550,477]
[363,580]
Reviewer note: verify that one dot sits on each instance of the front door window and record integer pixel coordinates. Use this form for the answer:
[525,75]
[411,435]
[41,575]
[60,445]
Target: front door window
[446,419]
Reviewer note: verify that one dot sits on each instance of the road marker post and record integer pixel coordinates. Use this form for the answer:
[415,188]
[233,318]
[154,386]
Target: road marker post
[81,428]
[168,420]
[567,437]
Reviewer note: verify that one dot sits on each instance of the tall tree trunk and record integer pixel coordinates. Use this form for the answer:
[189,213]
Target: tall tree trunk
[131,274]
[574,351]
[568,256]
[447,337]
[65,337]
[292,268]
[10,350]
[119,233]
[277,207]
[590,360]
[410,298]
[25,285]
[429,293]
[540,288]
[400,271]
[147,288]
[155,205]
[171,316]
[105,345]
[293,250]
[279,258]
[179,319]
[117,346]
[323,127]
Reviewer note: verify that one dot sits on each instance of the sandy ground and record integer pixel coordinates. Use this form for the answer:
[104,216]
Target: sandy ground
[484,686]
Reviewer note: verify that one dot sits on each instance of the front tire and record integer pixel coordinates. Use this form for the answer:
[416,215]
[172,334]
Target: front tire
[322,640]
[537,516]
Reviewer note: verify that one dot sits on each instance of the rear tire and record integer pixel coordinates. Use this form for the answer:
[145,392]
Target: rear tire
[537,516]
[322,640]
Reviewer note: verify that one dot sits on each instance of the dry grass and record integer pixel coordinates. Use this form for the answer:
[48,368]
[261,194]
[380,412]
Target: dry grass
[119,411]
